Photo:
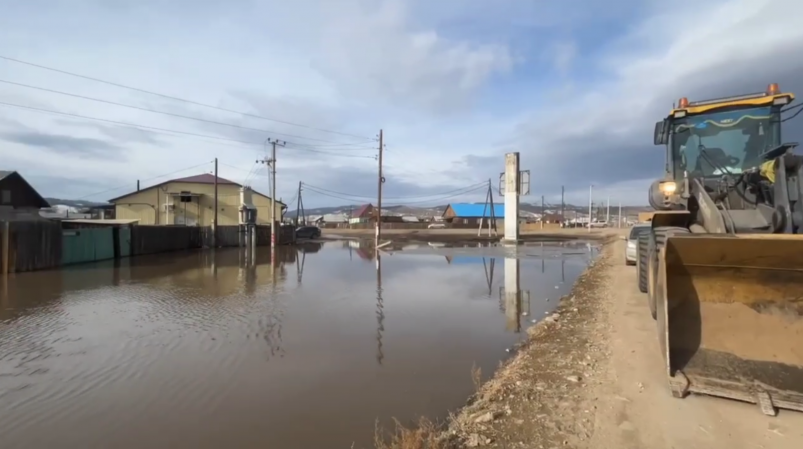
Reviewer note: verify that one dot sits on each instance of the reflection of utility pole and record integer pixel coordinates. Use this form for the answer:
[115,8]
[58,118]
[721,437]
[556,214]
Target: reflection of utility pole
[380,314]
[543,259]
[512,294]
[489,273]
[300,265]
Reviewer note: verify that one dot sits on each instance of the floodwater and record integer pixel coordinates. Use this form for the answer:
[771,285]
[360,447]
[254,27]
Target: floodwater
[203,350]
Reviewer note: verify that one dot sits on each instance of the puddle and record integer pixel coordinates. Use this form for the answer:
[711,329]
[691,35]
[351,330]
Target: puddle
[203,351]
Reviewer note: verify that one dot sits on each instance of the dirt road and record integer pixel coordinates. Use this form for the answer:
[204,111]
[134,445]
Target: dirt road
[593,377]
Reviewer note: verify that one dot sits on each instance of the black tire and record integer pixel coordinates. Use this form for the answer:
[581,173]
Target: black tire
[656,241]
[641,262]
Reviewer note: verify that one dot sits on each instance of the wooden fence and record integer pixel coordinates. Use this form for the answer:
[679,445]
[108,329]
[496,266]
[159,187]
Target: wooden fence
[229,236]
[159,239]
[43,244]
[30,245]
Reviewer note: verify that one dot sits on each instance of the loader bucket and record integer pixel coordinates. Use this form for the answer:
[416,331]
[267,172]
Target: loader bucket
[730,317]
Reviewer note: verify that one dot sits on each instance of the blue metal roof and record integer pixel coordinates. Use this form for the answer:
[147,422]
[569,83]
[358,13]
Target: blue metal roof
[469,210]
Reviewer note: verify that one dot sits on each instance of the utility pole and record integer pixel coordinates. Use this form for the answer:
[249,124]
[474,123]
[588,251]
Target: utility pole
[272,163]
[381,180]
[214,217]
[298,203]
[562,204]
[543,212]
[620,215]
[590,204]
[608,211]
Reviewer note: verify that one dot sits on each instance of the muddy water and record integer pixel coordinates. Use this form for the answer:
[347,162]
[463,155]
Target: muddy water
[202,351]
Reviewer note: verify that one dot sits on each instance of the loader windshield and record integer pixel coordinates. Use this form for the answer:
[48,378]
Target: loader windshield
[732,141]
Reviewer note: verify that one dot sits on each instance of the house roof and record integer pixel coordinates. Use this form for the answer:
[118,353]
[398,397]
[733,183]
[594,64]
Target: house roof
[361,210]
[203,178]
[472,210]
[42,202]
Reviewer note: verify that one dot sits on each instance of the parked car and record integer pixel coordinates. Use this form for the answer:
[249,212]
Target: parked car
[308,232]
[437,226]
[631,250]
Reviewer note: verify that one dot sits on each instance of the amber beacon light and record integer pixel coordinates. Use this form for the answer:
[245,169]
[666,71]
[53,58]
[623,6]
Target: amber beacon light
[773,89]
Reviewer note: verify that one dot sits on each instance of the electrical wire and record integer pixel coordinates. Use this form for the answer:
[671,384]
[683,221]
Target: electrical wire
[170,97]
[465,191]
[165,130]
[145,180]
[481,184]
[799,108]
[155,111]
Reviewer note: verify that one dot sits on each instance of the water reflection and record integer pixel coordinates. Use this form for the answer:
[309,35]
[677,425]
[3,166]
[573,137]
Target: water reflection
[149,351]
[380,309]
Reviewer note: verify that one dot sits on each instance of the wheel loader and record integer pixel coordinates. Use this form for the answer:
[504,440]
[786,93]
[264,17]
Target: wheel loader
[723,263]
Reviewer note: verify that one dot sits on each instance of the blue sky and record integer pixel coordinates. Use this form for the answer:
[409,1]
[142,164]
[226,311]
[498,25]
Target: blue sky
[574,86]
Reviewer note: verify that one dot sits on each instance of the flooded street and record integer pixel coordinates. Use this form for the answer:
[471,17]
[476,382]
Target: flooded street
[200,351]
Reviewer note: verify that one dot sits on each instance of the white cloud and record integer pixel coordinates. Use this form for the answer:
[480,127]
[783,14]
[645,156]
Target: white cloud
[449,82]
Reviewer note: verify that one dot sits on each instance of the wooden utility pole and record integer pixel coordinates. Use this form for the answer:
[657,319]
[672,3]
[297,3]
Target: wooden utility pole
[543,212]
[381,181]
[300,206]
[562,204]
[272,163]
[214,216]
[590,204]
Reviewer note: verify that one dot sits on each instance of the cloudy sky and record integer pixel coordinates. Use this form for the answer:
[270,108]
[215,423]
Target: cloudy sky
[575,87]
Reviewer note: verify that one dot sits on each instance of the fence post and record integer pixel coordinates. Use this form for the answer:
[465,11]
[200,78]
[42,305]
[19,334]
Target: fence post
[6,243]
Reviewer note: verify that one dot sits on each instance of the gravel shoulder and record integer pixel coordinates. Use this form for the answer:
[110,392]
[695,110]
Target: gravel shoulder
[591,376]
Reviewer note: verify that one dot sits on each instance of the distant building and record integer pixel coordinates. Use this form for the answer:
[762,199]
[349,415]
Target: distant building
[190,201]
[471,214]
[18,199]
[362,214]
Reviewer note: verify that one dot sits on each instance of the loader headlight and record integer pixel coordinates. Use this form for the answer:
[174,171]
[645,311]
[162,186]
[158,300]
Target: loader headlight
[667,188]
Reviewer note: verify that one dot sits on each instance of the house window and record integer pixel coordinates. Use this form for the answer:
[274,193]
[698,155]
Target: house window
[6,197]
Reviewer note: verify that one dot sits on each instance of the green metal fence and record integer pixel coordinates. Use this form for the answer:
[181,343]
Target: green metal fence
[87,245]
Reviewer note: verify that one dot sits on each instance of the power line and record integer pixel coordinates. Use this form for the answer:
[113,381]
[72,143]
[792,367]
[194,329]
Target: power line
[463,192]
[64,72]
[155,111]
[165,130]
[145,180]
[397,197]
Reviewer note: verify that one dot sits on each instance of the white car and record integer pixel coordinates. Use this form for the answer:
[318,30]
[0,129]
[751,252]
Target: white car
[631,250]
[437,226]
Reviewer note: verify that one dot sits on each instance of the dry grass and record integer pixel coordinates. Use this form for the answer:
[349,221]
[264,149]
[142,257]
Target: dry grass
[476,377]
[425,435]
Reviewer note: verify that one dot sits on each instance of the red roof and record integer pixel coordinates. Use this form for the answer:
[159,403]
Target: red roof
[361,211]
[204,178]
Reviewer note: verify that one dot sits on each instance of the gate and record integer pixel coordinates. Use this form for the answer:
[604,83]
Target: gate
[87,245]
[124,242]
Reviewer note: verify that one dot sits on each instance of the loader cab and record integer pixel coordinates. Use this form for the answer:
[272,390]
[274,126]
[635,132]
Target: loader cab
[712,138]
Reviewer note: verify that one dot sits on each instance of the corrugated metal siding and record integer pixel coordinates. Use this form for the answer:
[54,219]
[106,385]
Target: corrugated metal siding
[468,210]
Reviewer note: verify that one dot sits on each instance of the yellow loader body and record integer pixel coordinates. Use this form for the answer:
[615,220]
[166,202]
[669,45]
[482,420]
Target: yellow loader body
[730,317]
